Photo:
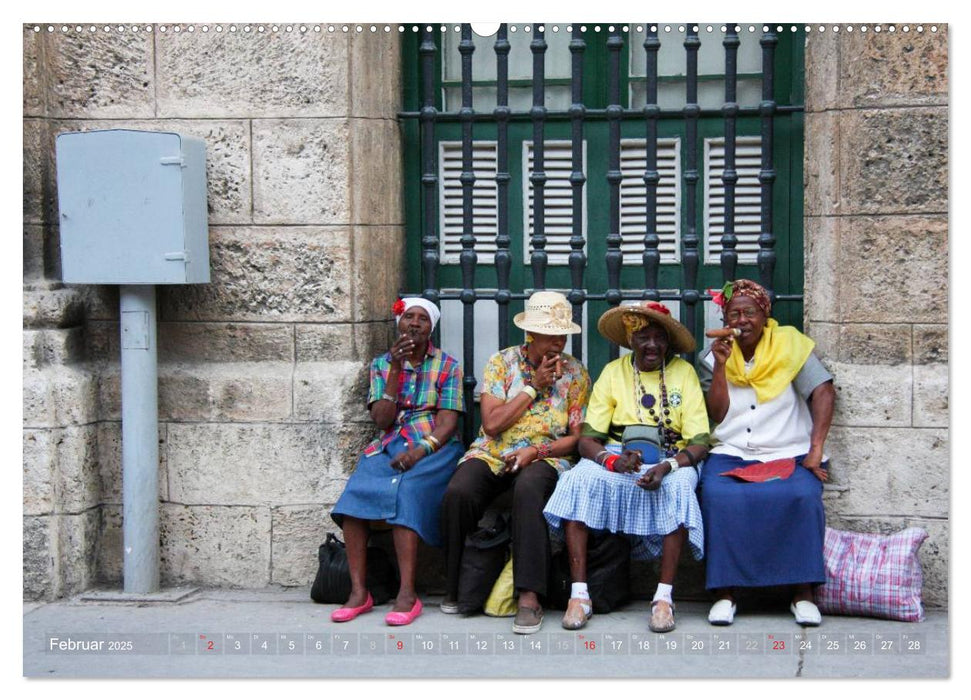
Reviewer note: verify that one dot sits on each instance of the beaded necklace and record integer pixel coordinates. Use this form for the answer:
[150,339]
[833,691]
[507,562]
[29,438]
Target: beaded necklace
[667,436]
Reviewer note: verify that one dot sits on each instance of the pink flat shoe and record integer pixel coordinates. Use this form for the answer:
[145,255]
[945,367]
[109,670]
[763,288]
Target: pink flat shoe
[396,619]
[348,614]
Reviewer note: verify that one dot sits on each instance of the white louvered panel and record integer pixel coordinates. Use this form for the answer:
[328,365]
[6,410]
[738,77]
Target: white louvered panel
[485,205]
[633,199]
[557,199]
[748,198]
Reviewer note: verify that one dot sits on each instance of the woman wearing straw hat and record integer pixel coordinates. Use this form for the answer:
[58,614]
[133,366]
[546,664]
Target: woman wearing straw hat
[645,432]
[532,405]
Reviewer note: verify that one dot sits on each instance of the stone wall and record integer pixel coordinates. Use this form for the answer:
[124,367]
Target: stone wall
[262,373]
[876,229]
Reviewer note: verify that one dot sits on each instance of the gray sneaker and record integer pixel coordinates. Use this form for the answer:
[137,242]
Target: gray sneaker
[528,620]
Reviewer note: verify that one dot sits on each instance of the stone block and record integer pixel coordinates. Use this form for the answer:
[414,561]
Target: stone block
[374,78]
[822,263]
[297,533]
[77,482]
[827,338]
[33,82]
[339,341]
[821,164]
[58,346]
[894,69]
[301,171]
[110,465]
[872,395]
[228,72]
[39,556]
[101,75]
[931,396]
[330,392]
[225,342]
[34,249]
[53,308]
[221,546]
[823,52]
[38,172]
[933,554]
[378,266]
[243,391]
[875,344]
[930,343]
[890,472]
[101,302]
[110,553]
[897,161]
[376,171]
[77,545]
[893,270]
[58,396]
[264,274]
[38,459]
[229,182]
[257,464]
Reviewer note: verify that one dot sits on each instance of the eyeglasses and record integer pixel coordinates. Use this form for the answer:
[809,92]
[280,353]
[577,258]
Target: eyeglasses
[750,314]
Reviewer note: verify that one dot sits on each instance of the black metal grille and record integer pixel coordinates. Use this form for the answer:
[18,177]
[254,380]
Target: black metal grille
[578,116]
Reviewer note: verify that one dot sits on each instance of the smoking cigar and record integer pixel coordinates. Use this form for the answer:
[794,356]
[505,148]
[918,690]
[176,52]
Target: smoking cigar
[723,333]
[559,367]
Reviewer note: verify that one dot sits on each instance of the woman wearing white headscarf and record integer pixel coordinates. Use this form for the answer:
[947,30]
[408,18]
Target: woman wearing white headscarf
[415,399]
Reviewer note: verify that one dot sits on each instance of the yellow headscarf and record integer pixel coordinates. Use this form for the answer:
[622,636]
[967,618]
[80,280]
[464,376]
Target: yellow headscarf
[780,354]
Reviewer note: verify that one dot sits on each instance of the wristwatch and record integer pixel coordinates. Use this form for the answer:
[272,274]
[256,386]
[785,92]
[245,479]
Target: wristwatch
[674,463]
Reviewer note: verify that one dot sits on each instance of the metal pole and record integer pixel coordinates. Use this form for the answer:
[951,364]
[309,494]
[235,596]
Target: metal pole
[139,438]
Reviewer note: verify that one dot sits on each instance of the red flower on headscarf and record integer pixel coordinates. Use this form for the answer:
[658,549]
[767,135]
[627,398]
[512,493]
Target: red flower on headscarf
[717,297]
[398,308]
[655,306]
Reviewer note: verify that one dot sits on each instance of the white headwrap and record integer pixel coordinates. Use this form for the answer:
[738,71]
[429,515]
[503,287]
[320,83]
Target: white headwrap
[433,313]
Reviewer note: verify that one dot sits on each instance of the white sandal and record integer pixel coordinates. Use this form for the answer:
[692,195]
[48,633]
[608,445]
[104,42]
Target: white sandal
[722,612]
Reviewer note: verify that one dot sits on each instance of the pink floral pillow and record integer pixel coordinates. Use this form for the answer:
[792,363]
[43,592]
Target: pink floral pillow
[873,575]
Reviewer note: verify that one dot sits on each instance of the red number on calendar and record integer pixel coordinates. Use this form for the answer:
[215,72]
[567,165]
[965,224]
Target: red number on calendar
[209,646]
[779,645]
[400,645]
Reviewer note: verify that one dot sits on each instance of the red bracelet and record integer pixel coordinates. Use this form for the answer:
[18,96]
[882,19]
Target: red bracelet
[610,461]
[543,450]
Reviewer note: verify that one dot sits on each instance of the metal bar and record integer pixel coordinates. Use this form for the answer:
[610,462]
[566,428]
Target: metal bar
[467,258]
[139,438]
[538,258]
[578,259]
[651,257]
[767,108]
[689,243]
[632,295]
[614,256]
[592,114]
[503,257]
[729,257]
[429,168]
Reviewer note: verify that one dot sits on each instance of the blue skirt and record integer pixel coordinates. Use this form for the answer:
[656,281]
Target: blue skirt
[613,502]
[761,534]
[411,499]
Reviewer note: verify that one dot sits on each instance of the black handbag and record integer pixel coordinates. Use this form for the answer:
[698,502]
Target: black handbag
[484,555]
[608,573]
[332,584]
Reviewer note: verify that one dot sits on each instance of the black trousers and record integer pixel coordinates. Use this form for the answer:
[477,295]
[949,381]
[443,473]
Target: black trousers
[470,491]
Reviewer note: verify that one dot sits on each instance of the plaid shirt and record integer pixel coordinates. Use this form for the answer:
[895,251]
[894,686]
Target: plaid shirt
[422,391]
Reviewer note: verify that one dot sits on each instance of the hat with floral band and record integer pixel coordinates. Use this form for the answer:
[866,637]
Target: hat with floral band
[619,322]
[547,313]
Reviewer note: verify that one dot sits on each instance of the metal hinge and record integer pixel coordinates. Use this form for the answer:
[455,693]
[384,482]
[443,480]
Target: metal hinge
[182,255]
[172,160]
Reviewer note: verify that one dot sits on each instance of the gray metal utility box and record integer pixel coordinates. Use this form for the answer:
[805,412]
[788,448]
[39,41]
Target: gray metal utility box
[132,207]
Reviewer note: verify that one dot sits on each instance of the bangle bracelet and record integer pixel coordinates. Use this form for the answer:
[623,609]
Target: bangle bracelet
[543,450]
[609,462]
[388,397]
[434,441]
[691,458]
[427,446]
[600,454]
[530,391]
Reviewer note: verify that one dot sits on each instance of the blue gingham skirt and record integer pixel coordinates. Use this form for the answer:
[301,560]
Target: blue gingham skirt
[605,500]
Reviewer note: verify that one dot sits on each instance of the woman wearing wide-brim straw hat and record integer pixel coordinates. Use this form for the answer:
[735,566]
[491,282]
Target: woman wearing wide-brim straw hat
[645,432]
[532,406]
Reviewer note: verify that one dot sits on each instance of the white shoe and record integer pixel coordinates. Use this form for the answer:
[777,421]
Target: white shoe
[806,613]
[722,612]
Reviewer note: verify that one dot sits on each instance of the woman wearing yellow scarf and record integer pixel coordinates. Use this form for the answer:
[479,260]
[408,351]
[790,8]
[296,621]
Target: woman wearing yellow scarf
[771,401]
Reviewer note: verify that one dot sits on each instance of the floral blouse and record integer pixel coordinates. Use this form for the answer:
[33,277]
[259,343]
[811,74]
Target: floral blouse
[550,417]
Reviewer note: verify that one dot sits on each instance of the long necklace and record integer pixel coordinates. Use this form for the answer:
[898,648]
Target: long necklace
[667,436]
[526,368]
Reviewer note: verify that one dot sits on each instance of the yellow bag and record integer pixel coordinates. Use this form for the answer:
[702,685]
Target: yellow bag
[502,599]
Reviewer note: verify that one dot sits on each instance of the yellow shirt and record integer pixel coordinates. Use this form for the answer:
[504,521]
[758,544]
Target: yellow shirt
[616,401]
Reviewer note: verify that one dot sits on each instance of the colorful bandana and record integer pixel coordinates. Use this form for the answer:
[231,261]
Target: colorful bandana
[755,291]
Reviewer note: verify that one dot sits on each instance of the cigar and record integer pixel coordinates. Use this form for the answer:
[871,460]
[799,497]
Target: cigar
[723,333]
[559,367]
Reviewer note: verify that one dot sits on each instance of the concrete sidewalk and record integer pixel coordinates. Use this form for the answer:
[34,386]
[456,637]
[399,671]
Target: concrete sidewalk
[283,634]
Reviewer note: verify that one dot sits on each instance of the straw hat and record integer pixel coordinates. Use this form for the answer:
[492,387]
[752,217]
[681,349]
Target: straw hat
[611,324]
[547,313]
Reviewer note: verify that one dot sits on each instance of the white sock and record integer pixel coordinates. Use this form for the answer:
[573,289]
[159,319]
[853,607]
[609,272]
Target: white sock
[663,592]
[579,590]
